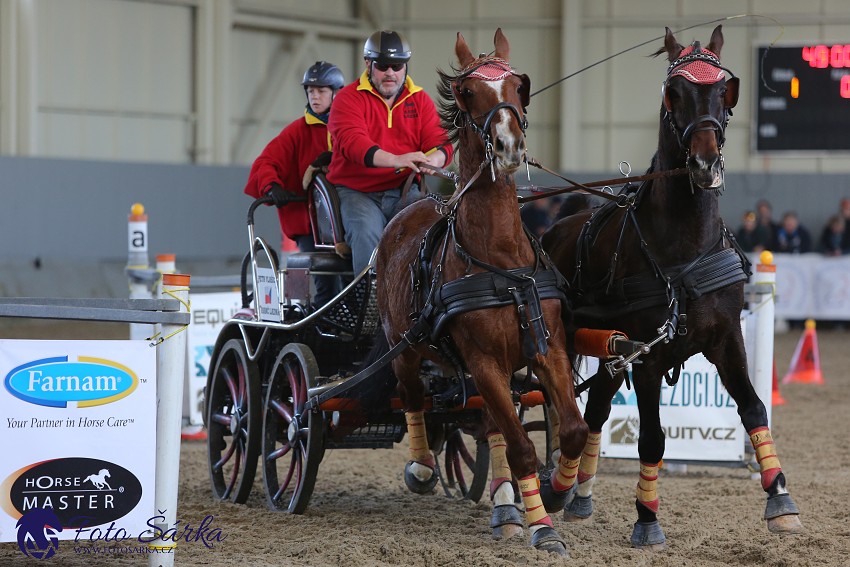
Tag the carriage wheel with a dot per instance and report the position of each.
(293, 441)
(467, 462)
(233, 418)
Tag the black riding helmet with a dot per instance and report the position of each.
(323, 74)
(386, 48)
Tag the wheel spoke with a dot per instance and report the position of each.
(285, 484)
(227, 377)
(461, 480)
(281, 410)
(226, 457)
(278, 453)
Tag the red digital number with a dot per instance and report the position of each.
(845, 86)
(824, 56)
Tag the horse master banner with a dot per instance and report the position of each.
(210, 311)
(79, 436)
(699, 418)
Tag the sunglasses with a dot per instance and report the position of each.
(383, 68)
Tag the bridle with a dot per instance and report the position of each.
(717, 126)
(464, 119)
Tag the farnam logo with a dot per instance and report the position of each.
(79, 490)
(59, 382)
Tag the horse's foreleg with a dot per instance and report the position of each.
(647, 532)
(781, 512)
(419, 472)
(519, 451)
(580, 505)
(506, 521)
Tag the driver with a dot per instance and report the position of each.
(383, 126)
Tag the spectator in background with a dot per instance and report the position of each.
(764, 212)
(844, 211)
(752, 236)
(834, 237)
(792, 236)
(535, 216)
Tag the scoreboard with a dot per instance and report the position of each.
(803, 98)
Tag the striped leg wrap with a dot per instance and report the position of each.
(766, 457)
(535, 513)
(499, 468)
(565, 477)
(647, 486)
(418, 450)
(590, 457)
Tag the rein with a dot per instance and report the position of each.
(588, 187)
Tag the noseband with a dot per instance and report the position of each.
(678, 67)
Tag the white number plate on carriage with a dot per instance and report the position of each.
(266, 295)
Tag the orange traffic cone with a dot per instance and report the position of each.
(805, 364)
(777, 399)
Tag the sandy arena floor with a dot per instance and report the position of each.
(361, 513)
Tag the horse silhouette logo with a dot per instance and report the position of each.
(625, 431)
(37, 531)
(99, 479)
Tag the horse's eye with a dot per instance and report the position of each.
(466, 92)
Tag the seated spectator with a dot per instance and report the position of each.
(792, 236)
(535, 216)
(764, 212)
(834, 236)
(752, 236)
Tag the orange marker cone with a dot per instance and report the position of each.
(805, 364)
(777, 399)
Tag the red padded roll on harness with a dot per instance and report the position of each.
(596, 342)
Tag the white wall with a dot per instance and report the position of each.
(211, 81)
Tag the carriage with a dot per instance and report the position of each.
(289, 380)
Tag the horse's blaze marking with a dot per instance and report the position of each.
(766, 457)
(590, 457)
(647, 486)
(503, 128)
(535, 513)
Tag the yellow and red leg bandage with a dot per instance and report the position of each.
(590, 457)
(499, 468)
(766, 457)
(418, 439)
(565, 476)
(535, 513)
(647, 487)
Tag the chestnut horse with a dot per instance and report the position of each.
(662, 267)
(482, 246)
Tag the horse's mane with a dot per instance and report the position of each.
(450, 115)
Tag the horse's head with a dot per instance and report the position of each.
(491, 98)
(697, 102)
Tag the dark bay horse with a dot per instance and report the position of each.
(660, 265)
(497, 285)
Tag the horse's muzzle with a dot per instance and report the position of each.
(706, 174)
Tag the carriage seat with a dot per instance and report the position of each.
(325, 218)
(300, 266)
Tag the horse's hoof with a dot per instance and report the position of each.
(789, 524)
(648, 536)
(780, 505)
(581, 508)
(547, 539)
(416, 484)
(554, 501)
(506, 521)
